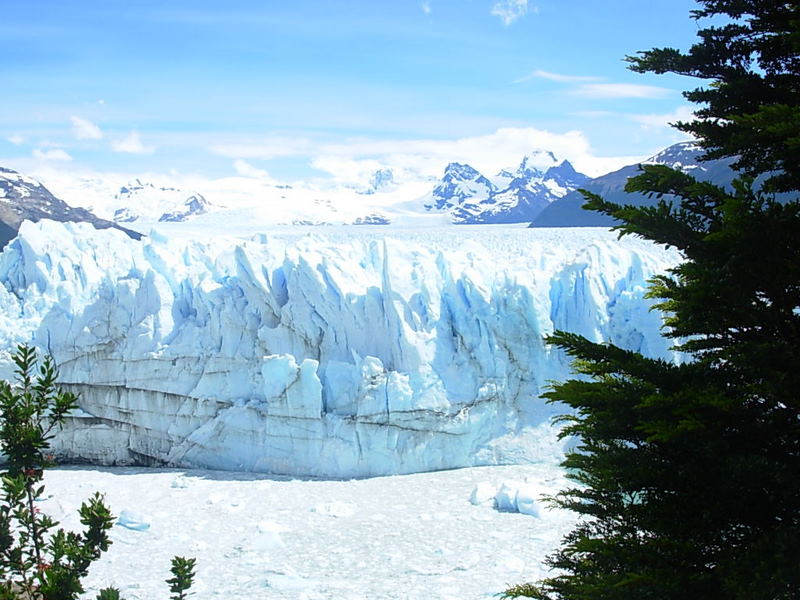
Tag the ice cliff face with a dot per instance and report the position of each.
(346, 353)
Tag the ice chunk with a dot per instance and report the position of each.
(528, 500)
(506, 497)
(483, 493)
(131, 519)
(267, 537)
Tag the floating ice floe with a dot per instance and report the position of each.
(131, 519)
(510, 496)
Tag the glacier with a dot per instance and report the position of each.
(335, 352)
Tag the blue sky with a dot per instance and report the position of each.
(300, 89)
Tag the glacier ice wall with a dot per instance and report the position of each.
(340, 353)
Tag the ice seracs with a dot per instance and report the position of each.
(344, 352)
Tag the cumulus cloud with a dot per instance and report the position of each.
(620, 90)
(509, 10)
(84, 129)
(353, 159)
(52, 154)
(16, 139)
(131, 144)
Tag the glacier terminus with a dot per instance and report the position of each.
(336, 352)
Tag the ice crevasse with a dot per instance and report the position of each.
(339, 353)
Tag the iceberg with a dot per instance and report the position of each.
(346, 352)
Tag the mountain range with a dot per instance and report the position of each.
(541, 190)
(512, 196)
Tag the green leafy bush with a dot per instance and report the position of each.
(38, 561)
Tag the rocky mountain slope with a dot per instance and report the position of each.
(23, 198)
(567, 211)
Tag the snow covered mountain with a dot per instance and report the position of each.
(23, 197)
(512, 196)
(567, 211)
(147, 201)
(381, 180)
(343, 352)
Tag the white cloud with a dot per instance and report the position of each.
(487, 153)
(621, 90)
(351, 159)
(345, 169)
(16, 139)
(426, 7)
(556, 77)
(84, 129)
(53, 154)
(509, 10)
(131, 144)
(266, 149)
(245, 169)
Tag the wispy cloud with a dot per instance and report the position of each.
(84, 129)
(655, 121)
(621, 90)
(53, 154)
(131, 144)
(426, 7)
(539, 74)
(509, 10)
(16, 139)
(245, 169)
(266, 149)
(595, 114)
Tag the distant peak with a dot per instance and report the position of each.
(462, 171)
(537, 161)
(677, 154)
(563, 168)
(381, 179)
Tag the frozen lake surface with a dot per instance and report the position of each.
(255, 536)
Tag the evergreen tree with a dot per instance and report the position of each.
(751, 108)
(687, 472)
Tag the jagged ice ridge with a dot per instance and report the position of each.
(346, 352)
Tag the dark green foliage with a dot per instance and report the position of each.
(108, 594)
(182, 577)
(38, 562)
(686, 473)
(750, 109)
